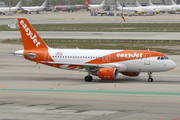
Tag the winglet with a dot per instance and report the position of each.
(31, 40)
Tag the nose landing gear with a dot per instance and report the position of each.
(150, 79)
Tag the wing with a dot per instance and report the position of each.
(78, 66)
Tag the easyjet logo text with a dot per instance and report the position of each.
(129, 55)
(32, 36)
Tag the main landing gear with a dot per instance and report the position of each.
(150, 79)
(88, 78)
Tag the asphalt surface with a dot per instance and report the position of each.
(97, 35)
(29, 91)
(84, 17)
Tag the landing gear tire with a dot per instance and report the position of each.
(150, 79)
(88, 78)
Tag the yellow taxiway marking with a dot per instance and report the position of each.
(76, 94)
(2, 87)
(56, 87)
(109, 88)
(176, 69)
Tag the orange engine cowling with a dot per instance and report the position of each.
(108, 73)
(132, 74)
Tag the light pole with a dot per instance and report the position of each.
(122, 16)
(9, 8)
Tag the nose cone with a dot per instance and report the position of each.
(172, 65)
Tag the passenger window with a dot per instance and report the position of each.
(162, 58)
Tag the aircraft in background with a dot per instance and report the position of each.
(71, 7)
(174, 5)
(155, 9)
(166, 8)
(100, 6)
(138, 9)
(35, 8)
(106, 64)
(4, 10)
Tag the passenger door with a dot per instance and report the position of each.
(147, 59)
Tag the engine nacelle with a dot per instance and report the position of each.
(131, 74)
(107, 73)
(139, 12)
(63, 10)
(158, 11)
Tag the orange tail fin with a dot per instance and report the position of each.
(30, 38)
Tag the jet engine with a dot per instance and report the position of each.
(107, 73)
(158, 12)
(139, 12)
(131, 74)
(63, 10)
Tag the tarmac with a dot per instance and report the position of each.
(29, 91)
(84, 17)
(96, 35)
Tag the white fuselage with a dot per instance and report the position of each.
(91, 7)
(6, 9)
(133, 63)
(32, 9)
(137, 9)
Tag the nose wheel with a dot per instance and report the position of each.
(150, 79)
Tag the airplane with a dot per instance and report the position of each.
(161, 7)
(92, 7)
(174, 5)
(138, 9)
(4, 10)
(106, 64)
(71, 7)
(34, 8)
(156, 9)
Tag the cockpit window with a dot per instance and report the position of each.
(162, 58)
(166, 58)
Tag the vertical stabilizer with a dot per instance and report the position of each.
(137, 3)
(86, 3)
(19, 4)
(173, 3)
(117, 4)
(45, 4)
(149, 3)
(31, 40)
(104, 3)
